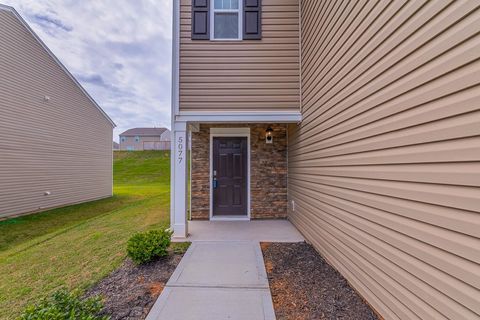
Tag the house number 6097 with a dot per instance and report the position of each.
(180, 149)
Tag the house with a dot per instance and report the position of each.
(138, 139)
(116, 146)
(55, 141)
(359, 121)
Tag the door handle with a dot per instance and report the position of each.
(215, 183)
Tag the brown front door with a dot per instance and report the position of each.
(229, 176)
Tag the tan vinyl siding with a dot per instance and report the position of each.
(384, 169)
(253, 75)
(63, 145)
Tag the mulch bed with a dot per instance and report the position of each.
(305, 286)
(130, 291)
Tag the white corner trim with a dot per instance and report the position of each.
(172, 118)
(178, 128)
(175, 60)
(229, 132)
(56, 60)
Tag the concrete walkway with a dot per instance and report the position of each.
(222, 275)
(217, 280)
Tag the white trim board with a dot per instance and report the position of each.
(174, 102)
(56, 60)
(229, 132)
(240, 117)
(175, 60)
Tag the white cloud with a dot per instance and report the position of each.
(120, 51)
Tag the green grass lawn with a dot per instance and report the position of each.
(78, 245)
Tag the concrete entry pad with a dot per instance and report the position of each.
(255, 230)
(217, 280)
(221, 264)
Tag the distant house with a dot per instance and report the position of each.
(138, 139)
(55, 141)
(116, 146)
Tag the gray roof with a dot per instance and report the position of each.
(144, 132)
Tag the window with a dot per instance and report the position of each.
(123, 139)
(226, 20)
(137, 139)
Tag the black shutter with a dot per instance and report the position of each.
(252, 19)
(200, 20)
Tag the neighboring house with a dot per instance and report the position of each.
(138, 139)
(374, 112)
(55, 141)
(116, 146)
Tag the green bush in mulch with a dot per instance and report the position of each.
(180, 247)
(65, 305)
(143, 247)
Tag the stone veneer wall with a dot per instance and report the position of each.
(268, 169)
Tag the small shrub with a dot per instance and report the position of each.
(64, 305)
(146, 246)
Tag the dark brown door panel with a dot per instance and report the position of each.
(230, 176)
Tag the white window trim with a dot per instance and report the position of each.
(240, 21)
(229, 132)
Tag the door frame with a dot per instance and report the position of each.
(229, 132)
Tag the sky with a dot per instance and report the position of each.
(119, 50)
